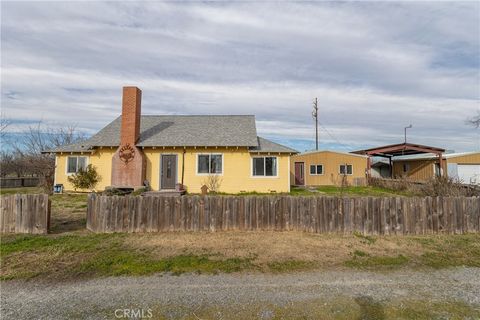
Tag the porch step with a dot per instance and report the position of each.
(164, 193)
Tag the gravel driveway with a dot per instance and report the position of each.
(98, 298)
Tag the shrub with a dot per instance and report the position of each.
(402, 184)
(85, 179)
(447, 187)
(213, 183)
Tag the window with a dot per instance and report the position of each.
(316, 169)
(346, 169)
(74, 164)
(264, 166)
(406, 167)
(209, 164)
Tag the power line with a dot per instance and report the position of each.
(332, 136)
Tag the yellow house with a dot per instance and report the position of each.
(465, 167)
(170, 152)
(317, 168)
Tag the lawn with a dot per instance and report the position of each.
(7, 191)
(71, 251)
(367, 191)
(360, 191)
(82, 254)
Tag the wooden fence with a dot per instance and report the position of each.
(25, 213)
(312, 214)
(19, 182)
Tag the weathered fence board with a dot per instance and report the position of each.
(26, 213)
(368, 215)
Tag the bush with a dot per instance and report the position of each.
(447, 187)
(213, 183)
(85, 179)
(402, 184)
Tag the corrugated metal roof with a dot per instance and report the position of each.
(434, 156)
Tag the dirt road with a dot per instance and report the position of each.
(190, 296)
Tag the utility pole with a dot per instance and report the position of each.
(315, 116)
(410, 126)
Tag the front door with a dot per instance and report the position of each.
(299, 174)
(168, 168)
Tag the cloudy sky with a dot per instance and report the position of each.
(375, 67)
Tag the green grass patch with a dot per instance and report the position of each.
(101, 255)
(375, 262)
(443, 251)
(359, 253)
(296, 191)
(66, 243)
(132, 263)
(290, 265)
(327, 190)
(438, 260)
(361, 191)
(7, 191)
(364, 238)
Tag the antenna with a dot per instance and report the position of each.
(315, 116)
(409, 126)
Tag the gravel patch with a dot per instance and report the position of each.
(90, 299)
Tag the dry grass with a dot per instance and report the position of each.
(320, 250)
(68, 212)
(58, 256)
(70, 250)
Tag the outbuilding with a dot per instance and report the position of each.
(316, 168)
(464, 167)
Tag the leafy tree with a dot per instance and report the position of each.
(85, 178)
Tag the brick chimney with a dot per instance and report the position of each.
(128, 162)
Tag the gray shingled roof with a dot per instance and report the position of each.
(265, 145)
(74, 147)
(184, 131)
(179, 131)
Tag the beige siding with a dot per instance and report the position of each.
(331, 162)
(418, 170)
(466, 159)
(422, 170)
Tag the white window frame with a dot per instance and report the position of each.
(209, 154)
(66, 164)
(316, 172)
(264, 176)
(346, 169)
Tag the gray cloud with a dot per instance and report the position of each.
(375, 67)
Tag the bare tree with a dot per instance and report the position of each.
(475, 120)
(4, 124)
(28, 155)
